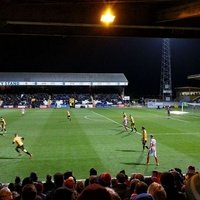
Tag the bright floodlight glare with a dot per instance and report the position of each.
(107, 17)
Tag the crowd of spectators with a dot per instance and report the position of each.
(170, 185)
(40, 99)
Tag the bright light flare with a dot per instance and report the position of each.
(107, 17)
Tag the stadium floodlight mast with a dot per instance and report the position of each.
(166, 80)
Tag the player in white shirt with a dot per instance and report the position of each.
(152, 150)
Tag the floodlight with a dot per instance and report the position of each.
(107, 17)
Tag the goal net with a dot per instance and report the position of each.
(192, 107)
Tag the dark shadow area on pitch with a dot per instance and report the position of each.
(132, 163)
(137, 162)
(8, 158)
(128, 134)
(124, 131)
(127, 150)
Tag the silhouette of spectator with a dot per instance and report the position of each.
(113, 194)
(94, 192)
(133, 183)
(144, 196)
(29, 192)
(123, 172)
(62, 193)
(93, 179)
(141, 187)
(48, 185)
(39, 188)
(137, 176)
(26, 180)
(58, 181)
(92, 172)
(34, 176)
(167, 181)
(121, 187)
(18, 185)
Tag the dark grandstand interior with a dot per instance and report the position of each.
(143, 18)
(81, 18)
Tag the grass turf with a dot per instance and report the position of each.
(96, 138)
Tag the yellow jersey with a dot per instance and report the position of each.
(18, 140)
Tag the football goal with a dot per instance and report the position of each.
(192, 107)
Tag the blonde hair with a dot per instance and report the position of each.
(157, 191)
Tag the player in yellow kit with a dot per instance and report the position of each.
(3, 125)
(69, 115)
(132, 120)
(18, 140)
(144, 138)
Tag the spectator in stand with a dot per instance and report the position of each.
(92, 172)
(95, 192)
(144, 196)
(167, 181)
(68, 174)
(113, 194)
(121, 187)
(93, 179)
(18, 185)
(29, 192)
(140, 187)
(70, 184)
(133, 183)
(39, 188)
(59, 182)
(178, 179)
(192, 188)
(157, 191)
(62, 193)
(5, 194)
(34, 177)
(79, 187)
(26, 180)
(105, 179)
(123, 172)
(138, 176)
(48, 185)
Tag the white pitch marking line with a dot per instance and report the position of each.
(112, 120)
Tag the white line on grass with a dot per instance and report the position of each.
(112, 120)
(181, 120)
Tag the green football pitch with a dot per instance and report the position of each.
(96, 138)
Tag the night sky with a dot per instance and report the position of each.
(138, 58)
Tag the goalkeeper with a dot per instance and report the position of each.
(18, 140)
